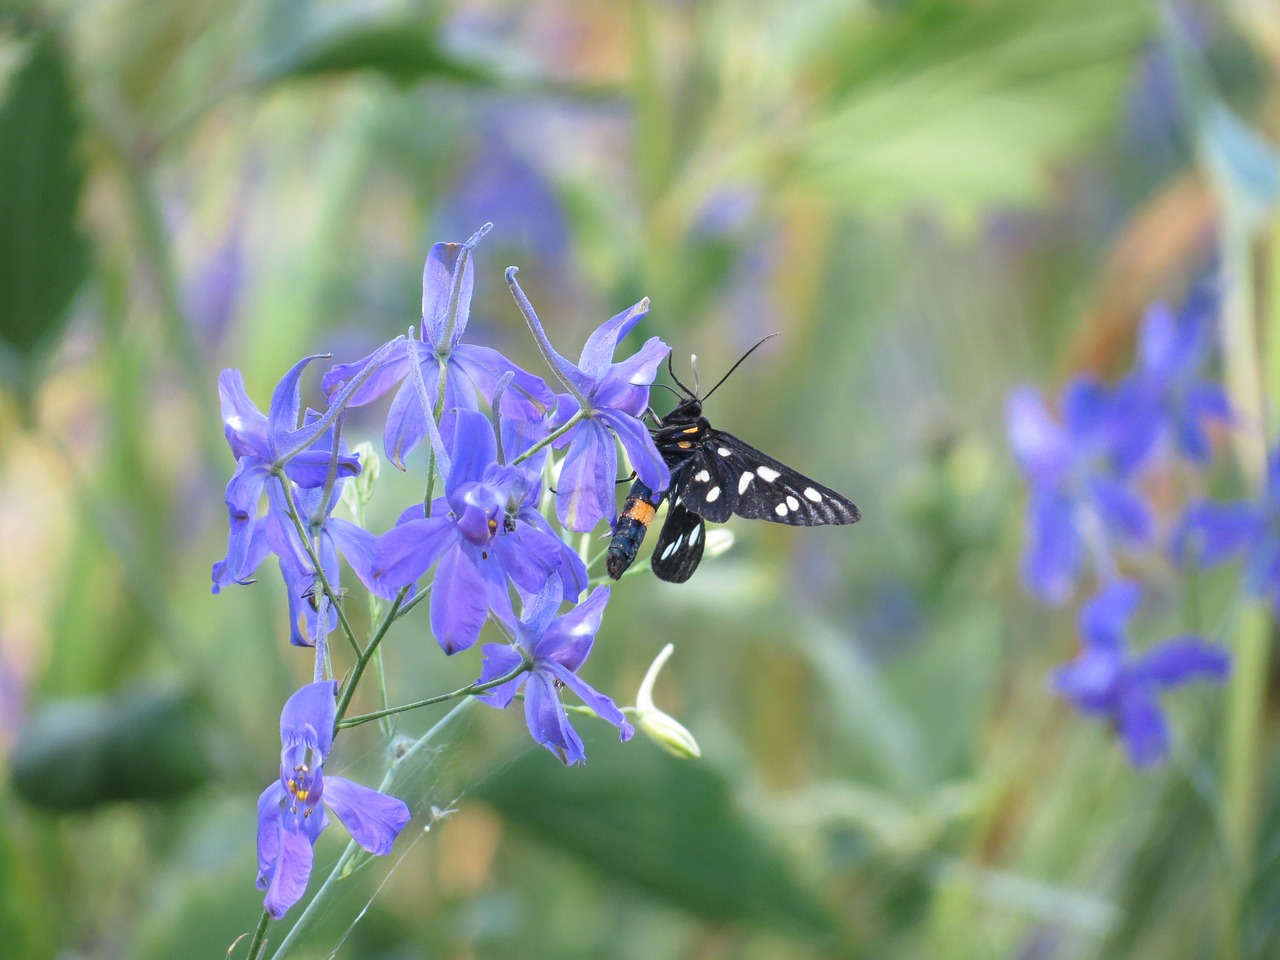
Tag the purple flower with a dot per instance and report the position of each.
(447, 281)
(290, 815)
(1214, 532)
(608, 398)
(1165, 396)
(483, 535)
(556, 646)
(263, 446)
(1107, 681)
(1080, 501)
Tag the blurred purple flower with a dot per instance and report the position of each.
(1106, 681)
(1214, 532)
(610, 398)
(290, 815)
(556, 646)
(1081, 501)
(467, 368)
(482, 534)
(1165, 397)
(263, 445)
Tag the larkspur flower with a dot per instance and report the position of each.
(290, 811)
(481, 537)
(556, 647)
(1080, 501)
(1212, 532)
(1165, 397)
(1109, 682)
(264, 445)
(468, 369)
(608, 398)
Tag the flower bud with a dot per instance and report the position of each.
(665, 730)
(359, 491)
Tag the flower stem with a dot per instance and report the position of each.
(259, 936)
(362, 661)
(468, 691)
(552, 437)
(1241, 764)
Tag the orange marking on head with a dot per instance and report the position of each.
(690, 430)
(684, 444)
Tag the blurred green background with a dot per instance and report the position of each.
(931, 200)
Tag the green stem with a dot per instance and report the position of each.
(468, 691)
(259, 936)
(362, 660)
(552, 437)
(1242, 763)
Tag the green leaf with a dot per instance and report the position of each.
(960, 105)
(43, 255)
(404, 51)
(666, 825)
(140, 744)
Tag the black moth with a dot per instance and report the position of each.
(713, 475)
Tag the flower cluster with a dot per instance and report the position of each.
(1087, 509)
(482, 546)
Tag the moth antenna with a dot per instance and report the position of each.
(665, 387)
(739, 363)
(693, 365)
(671, 370)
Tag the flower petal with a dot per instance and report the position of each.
(437, 294)
(527, 397)
(1104, 618)
(244, 426)
(567, 640)
(373, 819)
(459, 598)
(473, 449)
(394, 368)
(625, 385)
(547, 721)
(597, 352)
(1053, 555)
(307, 718)
(1181, 660)
(406, 552)
(604, 708)
(585, 494)
(1142, 726)
(292, 871)
(499, 660)
(1213, 532)
(640, 449)
(1123, 511)
(269, 809)
(1038, 442)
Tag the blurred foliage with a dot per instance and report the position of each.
(932, 200)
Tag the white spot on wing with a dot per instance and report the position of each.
(713, 495)
(780, 509)
(724, 451)
(744, 481)
(672, 547)
(702, 476)
(767, 474)
(694, 534)
(793, 503)
(812, 494)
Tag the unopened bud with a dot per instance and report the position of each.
(359, 491)
(665, 730)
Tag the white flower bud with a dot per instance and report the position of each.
(665, 730)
